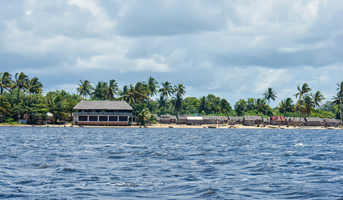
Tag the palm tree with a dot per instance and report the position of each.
(269, 94)
(85, 88)
(112, 89)
(20, 83)
(153, 86)
(317, 98)
(309, 105)
(262, 106)
(5, 81)
(340, 94)
(5, 106)
(99, 90)
(302, 91)
(286, 106)
(179, 90)
(165, 91)
(34, 86)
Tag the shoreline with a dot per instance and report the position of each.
(209, 126)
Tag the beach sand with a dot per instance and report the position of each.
(237, 126)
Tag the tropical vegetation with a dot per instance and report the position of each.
(22, 97)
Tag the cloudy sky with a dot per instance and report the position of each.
(233, 49)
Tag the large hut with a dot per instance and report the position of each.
(182, 119)
(215, 119)
(232, 120)
(332, 122)
(167, 119)
(313, 121)
(252, 120)
(278, 120)
(196, 120)
(103, 113)
(295, 121)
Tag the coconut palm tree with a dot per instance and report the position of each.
(262, 106)
(301, 92)
(5, 81)
(20, 83)
(286, 106)
(340, 93)
(99, 90)
(34, 86)
(85, 88)
(166, 90)
(179, 90)
(308, 106)
(317, 98)
(5, 106)
(153, 86)
(269, 94)
(112, 89)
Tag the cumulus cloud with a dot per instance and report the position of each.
(234, 49)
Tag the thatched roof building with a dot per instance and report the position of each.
(313, 121)
(103, 113)
(232, 120)
(278, 120)
(252, 120)
(332, 122)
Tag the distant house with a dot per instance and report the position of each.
(109, 113)
(278, 120)
(252, 120)
(214, 119)
(182, 119)
(232, 120)
(313, 121)
(167, 119)
(332, 122)
(295, 121)
(197, 120)
(266, 120)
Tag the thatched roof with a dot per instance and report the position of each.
(252, 118)
(332, 120)
(314, 119)
(295, 119)
(183, 116)
(278, 118)
(215, 117)
(236, 118)
(168, 117)
(103, 105)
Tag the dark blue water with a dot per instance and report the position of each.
(113, 163)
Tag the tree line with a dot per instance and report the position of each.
(22, 97)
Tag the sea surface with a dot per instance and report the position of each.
(129, 163)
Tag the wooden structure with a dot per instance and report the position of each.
(215, 119)
(332, 122)
(100, 113)
(312, 121)
(295, 121)
(167, 119)
(252, 120)
(182, 119)
(278, 120)
(232, 120)
(197, 120)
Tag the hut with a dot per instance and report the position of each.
(295, 121)
(332, 122)
(167, 119)
(313, 121)
(232, 120)
(197, 120)
(182, 119)
(215, 119)
(252, 120)
(278, 120)
(103, 113)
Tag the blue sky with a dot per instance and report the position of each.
(232, 49)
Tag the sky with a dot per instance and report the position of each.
(233, 49)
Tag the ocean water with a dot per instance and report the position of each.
(116, 163)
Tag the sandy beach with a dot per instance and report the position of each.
(237, 126)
